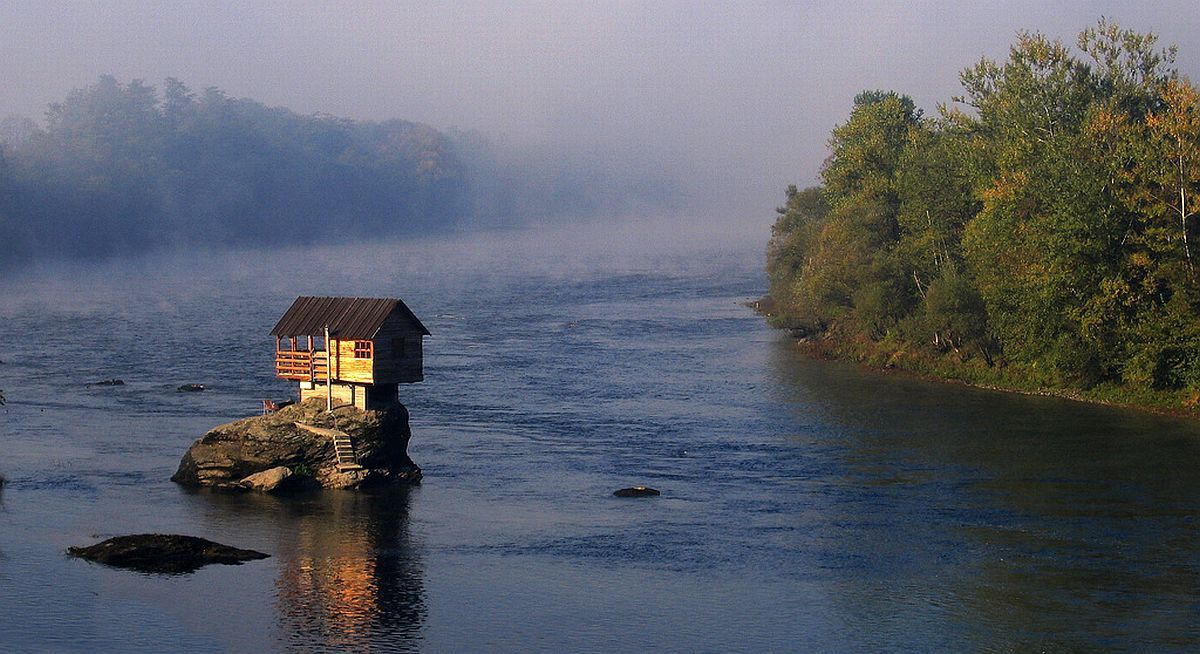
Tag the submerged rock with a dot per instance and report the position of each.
(165, 553)
(108, 382)
(232, 452)
(636, 491)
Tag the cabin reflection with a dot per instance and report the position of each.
(349, 577)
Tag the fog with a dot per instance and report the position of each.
(736, 101)
(432, 266)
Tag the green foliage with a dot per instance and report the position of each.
(956, 318)
(303, 470)
(936, 202)
(866, 149)
(1046, 231)
(793, 241)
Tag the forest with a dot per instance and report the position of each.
(1037, 233)
(125, 168)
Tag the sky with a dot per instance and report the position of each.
(738, 98)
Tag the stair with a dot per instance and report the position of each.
(344, 451)
(343, 447)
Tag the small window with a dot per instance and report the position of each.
(398, 347)
(362, 349)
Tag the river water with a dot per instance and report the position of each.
(806, 506)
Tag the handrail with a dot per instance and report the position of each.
(302, 365)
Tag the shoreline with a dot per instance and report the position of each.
(828, 347)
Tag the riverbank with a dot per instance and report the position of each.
(895, 357)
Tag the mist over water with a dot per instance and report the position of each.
(433, 265)
(806, 505)
(575, 199)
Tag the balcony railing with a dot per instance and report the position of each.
(302, 365)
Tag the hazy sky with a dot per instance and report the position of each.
(739, 96)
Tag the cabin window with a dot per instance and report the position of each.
(362, 349)
(397, 347)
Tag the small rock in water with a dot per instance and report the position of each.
(190, 388)
(108, 382)
(164, 553)
(636, 491)
(271, 479)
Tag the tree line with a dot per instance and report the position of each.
(121, 168)
(1042, 227)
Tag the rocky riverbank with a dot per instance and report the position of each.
(294, 445)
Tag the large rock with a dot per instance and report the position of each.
(167, 553)
(225, 456)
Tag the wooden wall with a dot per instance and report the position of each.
(392, 366)
(396, 356)
(346, 368)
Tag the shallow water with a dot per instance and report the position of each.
(806, 505)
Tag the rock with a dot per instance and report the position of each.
(230, 453)
(268, 480)
(190, 388)
(636, 491)
(164, 553)
(108, 382)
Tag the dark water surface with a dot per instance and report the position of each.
(806, 506)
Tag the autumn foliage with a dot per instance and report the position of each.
(1040, 227)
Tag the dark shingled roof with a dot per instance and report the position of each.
(347, 317)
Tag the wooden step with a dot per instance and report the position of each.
(343, 448)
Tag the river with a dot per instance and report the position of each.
(806, 505)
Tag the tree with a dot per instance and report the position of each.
(936, 202)
(859, 271)
(1164, 167)
(793, 241)
(1048, 224)
(1155, 169)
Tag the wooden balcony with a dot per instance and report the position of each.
(302, 365)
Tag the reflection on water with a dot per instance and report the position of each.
(1026, 522)
(818, 507)
(349, 574)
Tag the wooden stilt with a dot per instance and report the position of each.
(328, 375)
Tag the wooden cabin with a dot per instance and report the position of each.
(349, 350)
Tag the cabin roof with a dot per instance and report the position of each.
(346, 317)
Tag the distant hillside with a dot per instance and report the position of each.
(125, 168)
